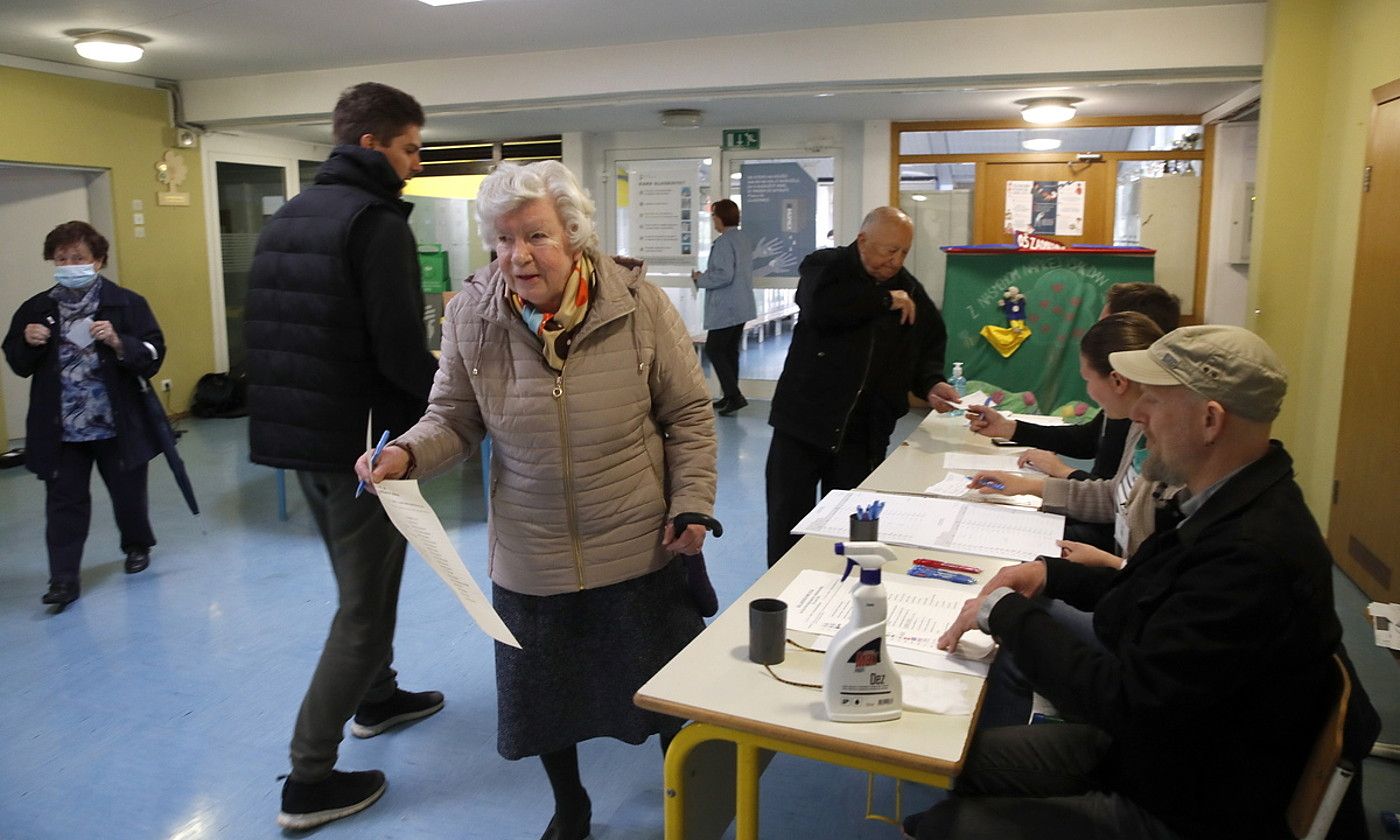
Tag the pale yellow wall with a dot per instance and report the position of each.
(76, 122)
(1323, 58)
(445, 186)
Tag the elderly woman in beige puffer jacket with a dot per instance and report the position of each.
(584, 376)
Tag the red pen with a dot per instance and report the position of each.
(951, 567)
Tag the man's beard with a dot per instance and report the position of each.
(1155, 469)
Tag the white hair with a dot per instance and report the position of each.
(512, 186)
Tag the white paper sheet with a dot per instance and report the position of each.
(954, 486)
(80, 333)
(1038, 419)
(1385, 618)
(975, 398)
(1010, 533)
(414, 518)
(919, 611)
(968, 462)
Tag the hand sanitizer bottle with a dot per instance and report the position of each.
(859, 681)
(959, 383)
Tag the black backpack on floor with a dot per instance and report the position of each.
(220, 395)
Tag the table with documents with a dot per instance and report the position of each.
(741, 714)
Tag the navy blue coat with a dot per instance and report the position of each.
(125, 378)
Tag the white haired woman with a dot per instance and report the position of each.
(584, 376)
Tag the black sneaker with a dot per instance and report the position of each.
(401, 707)
(309, 804)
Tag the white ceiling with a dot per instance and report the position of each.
(204, 39)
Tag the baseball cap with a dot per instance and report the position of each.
(1230, 365)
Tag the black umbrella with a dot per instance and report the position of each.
(161, 425)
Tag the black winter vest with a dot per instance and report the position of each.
(312, 377)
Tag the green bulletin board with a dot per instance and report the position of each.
(1064, 294)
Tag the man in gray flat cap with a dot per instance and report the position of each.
(1194, 714)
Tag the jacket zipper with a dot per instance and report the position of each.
(846, 424)
(558, 394)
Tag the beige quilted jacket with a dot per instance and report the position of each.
(588, 463)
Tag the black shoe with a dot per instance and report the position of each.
(137, 560)
(731, 406)
(712, 402)
(61, 593)
(401, 707)
(309, 804)
(576, 829)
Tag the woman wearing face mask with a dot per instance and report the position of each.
(90, 345)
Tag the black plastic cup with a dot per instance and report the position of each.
(864, 530)
(767, 631)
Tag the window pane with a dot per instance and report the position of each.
(1158, 206)
(1130, 138)
(938, 197)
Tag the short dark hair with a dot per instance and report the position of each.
(71, 233)
(1152, 300)
(726, 211)
(374, 109)
(1119, 331)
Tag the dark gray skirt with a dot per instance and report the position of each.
(584, 654)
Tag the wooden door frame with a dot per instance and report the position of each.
(979, 197)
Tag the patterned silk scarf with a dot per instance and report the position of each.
(556, 330)
(86, 409)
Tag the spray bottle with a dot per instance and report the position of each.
(859, 681)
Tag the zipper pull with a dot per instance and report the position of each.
(558, 386)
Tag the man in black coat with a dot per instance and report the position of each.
(336, 345)
(868, 337)
(1194, 713)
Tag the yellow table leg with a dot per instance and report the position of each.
(746, 792)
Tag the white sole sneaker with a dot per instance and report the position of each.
(302, 822)
(362, 731)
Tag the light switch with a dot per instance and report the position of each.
(138, 218)
(138, 204)
(140, 233)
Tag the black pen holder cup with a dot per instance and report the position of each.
(865, 530)
(767, 631)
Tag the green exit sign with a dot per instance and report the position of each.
(741, 138)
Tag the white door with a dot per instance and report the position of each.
(33, 201)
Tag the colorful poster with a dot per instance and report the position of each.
(1055, 207)
(662, 197)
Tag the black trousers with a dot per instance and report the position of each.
(722, 346)
(796, 470)
(68, 504)
(366, 553)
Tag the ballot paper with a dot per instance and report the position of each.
(975, 398)
(1385, 618)
(1010, 533)
(954, 486)
(80, 333)
(1038, 419)
(919, 611)
(970, 462)
(414, 518)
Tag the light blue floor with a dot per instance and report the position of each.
(159, 705)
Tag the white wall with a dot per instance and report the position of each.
(33, 200)
(1227, 283)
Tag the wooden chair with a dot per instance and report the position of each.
(1327, 774)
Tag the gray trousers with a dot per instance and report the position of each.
(1038, 781)
(366, 554)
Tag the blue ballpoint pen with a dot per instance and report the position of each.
(383, 439)
(940, 574)
(987, 482)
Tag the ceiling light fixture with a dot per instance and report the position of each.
(446, 2)
(114, 47)
(681, 117)
(919, 197)
(1041, 144)
(1045, 110)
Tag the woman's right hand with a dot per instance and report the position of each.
(985, 420)
(36, 335)
(1088, 555)
(988, 482)
(392, 464)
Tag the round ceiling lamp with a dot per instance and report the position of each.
(1041, 144)
(112, 47)
(1046, 110)
(681, 118)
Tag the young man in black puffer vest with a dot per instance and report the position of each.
(335, 343)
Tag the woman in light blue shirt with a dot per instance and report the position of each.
(729, 304)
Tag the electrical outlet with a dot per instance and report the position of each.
(165, 385)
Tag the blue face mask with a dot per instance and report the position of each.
(75, 276)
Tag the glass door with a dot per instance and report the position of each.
(247, 195)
